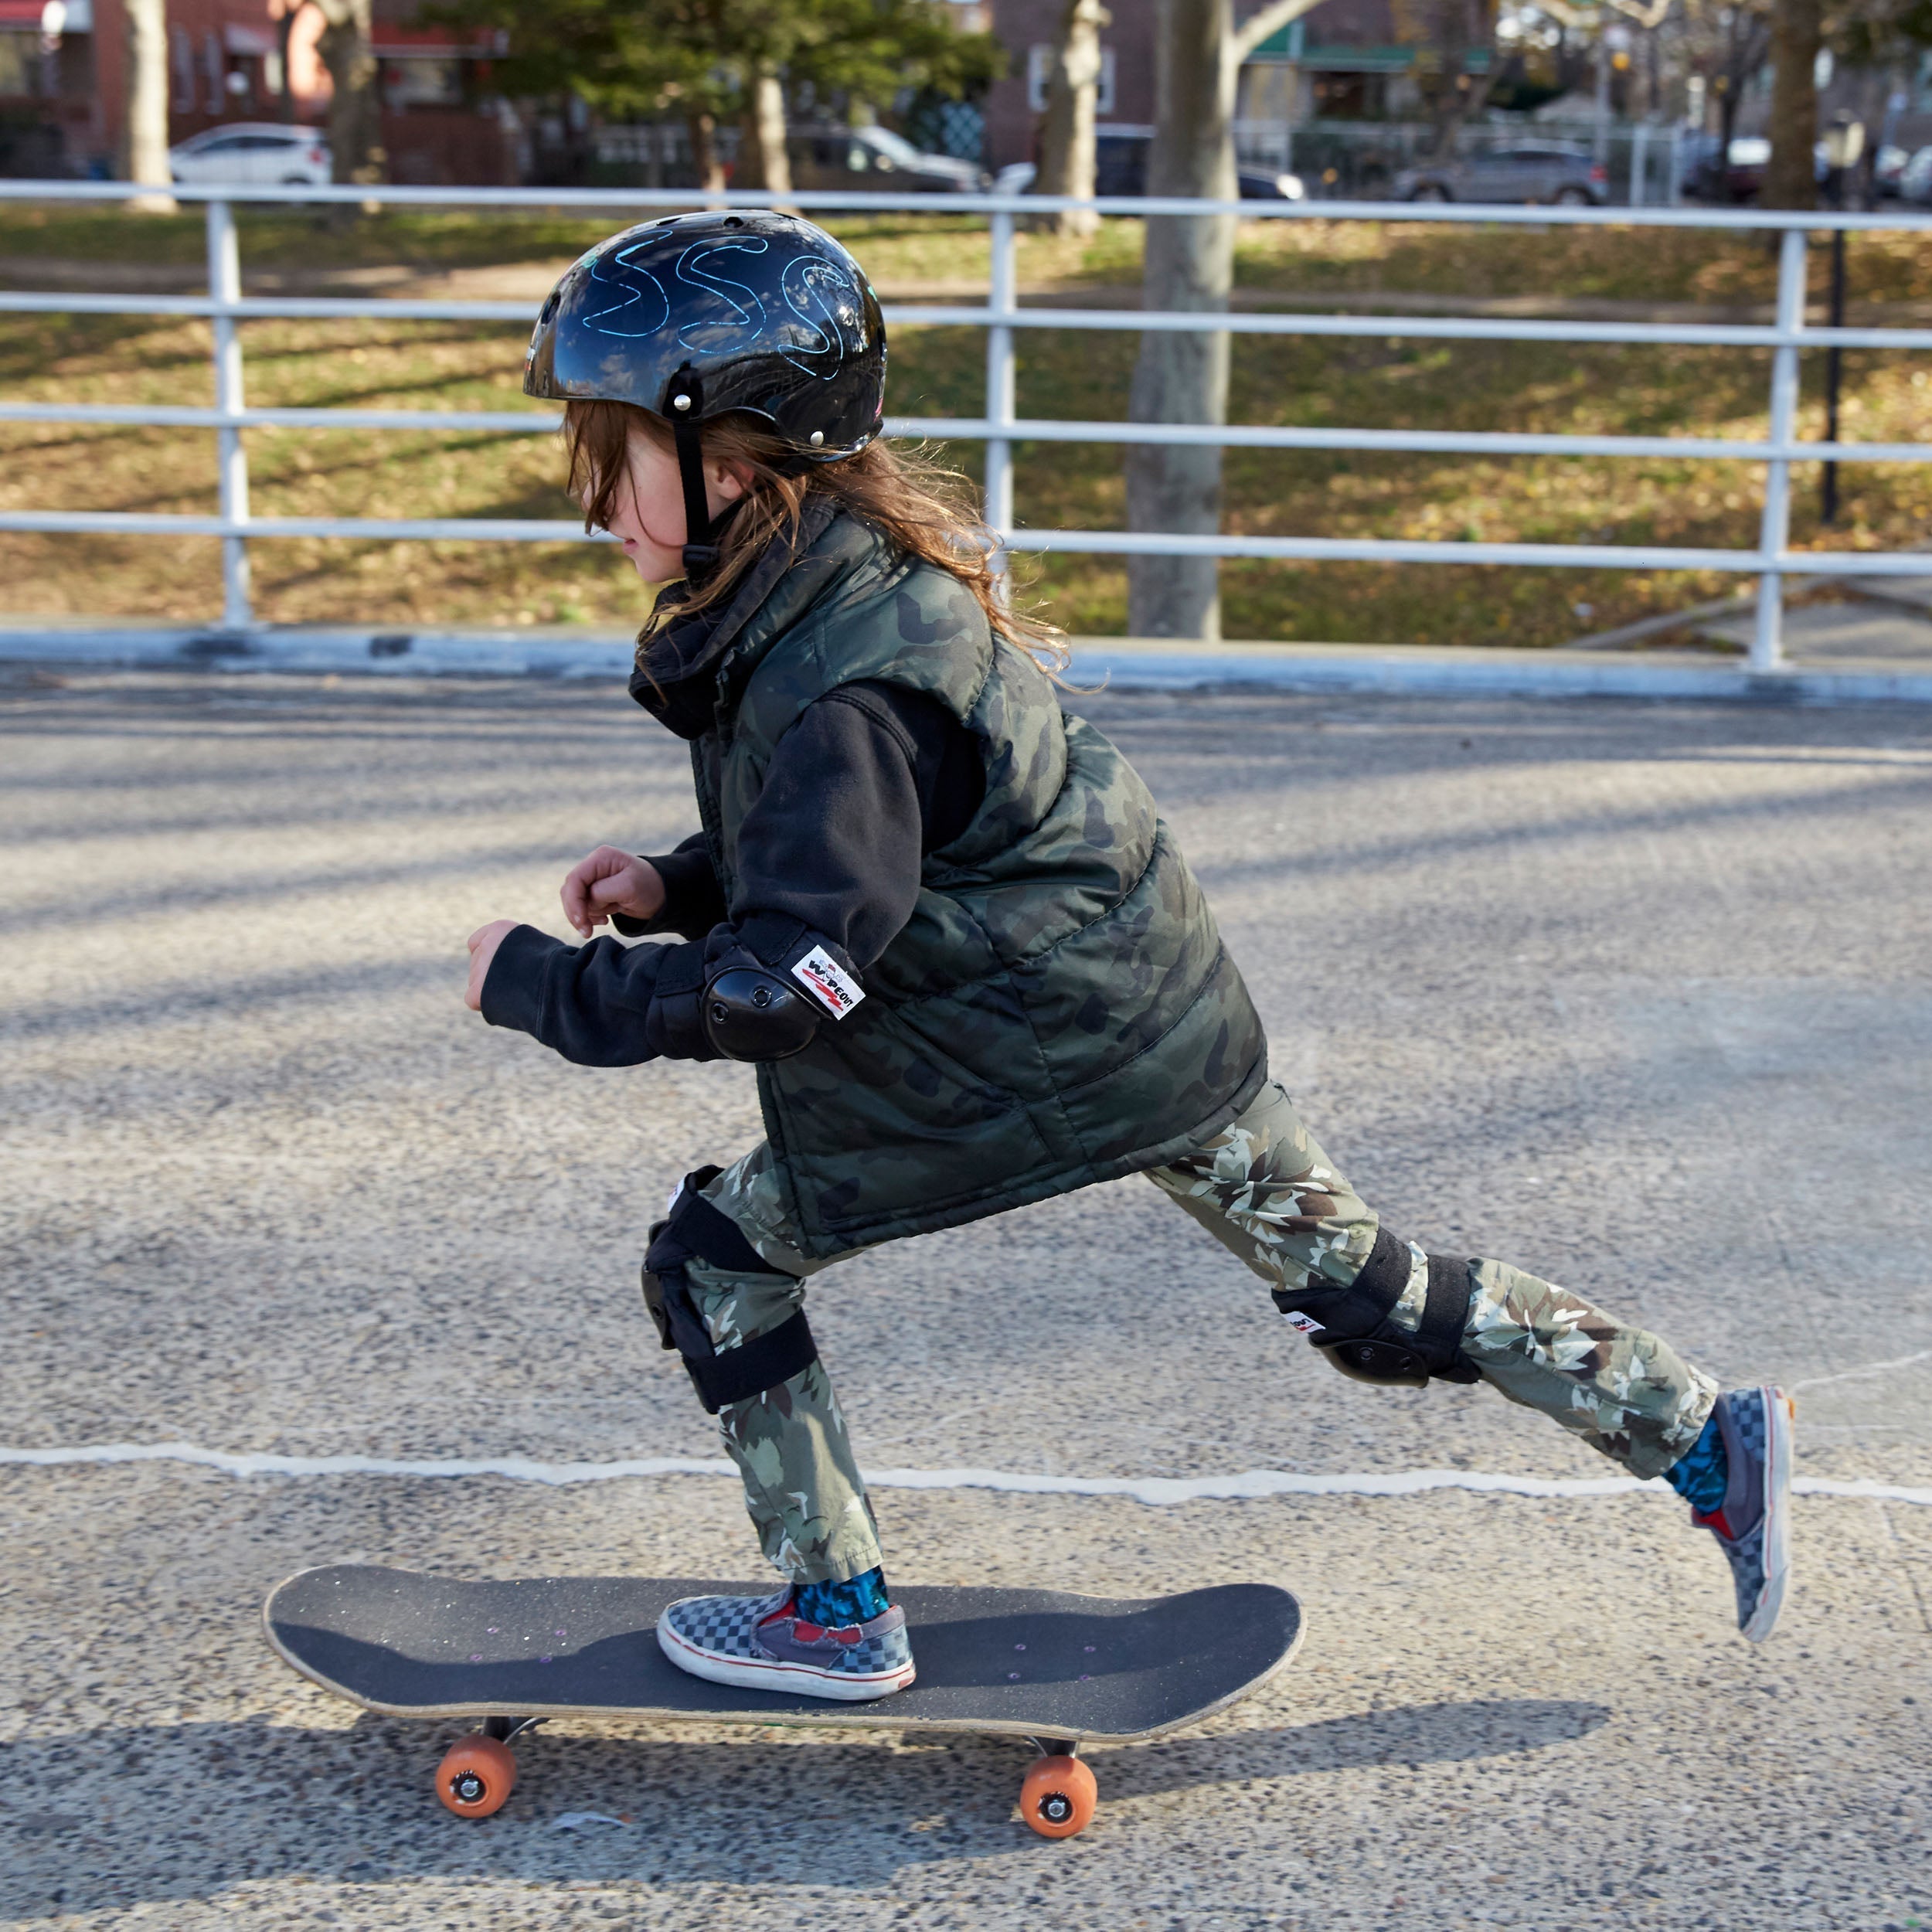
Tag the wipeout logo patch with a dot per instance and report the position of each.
(827, 982)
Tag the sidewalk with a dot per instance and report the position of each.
(1827, 674)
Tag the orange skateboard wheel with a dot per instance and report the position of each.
(1058, 1796)
(476, 1776)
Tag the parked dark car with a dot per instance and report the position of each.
(1739, 175)
(1524, 172)
(836, 157)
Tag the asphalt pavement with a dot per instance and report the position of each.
(1634, 995)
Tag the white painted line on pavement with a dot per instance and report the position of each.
(1867, 1369)
(1251, 1484)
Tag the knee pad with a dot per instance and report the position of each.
(1351, 1326)
(695, 1230)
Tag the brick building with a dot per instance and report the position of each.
(63, 84)
(1340, 61)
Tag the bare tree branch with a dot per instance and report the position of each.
(1645, 17)
(1271, 20)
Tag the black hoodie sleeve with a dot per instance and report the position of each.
(602, 1005)
(694, 902)
(869, 779)
(833, 844)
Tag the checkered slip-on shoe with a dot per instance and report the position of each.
(1753, 1524)
(762, 1643)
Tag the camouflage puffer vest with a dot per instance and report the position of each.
(1058, 1010)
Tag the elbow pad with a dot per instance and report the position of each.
(750, 1014)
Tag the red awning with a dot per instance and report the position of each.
(21, 13)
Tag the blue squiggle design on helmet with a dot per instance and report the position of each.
(804, 281)
(750, 312)
(632, 286)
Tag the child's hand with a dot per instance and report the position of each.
(609, 881)
(483, 944)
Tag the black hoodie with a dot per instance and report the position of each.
(871, 778)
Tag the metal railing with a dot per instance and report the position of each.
(1771, 561)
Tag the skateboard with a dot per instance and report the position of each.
(1055, 1670)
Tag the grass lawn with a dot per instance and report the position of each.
(1366, 383)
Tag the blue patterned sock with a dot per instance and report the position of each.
(1701, 1475)
(833, 1606)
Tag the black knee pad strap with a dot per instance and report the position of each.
(696, 1230)
(1351, 1326)
(696, 1227)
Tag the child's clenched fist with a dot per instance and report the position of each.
(609, 881)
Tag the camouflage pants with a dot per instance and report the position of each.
(1265, 1189)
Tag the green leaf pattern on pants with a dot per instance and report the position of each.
(802, 1486)
(1264, 1188)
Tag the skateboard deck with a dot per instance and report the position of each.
(1040, 1665)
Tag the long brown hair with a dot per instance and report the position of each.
(923, 510)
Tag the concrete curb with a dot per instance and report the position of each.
(1120, 664)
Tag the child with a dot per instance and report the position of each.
(942, 918)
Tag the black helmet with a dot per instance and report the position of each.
(696, 315)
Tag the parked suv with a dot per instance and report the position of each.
(266, 154)
(833, 157)
(1527, 172)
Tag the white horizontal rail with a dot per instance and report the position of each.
(488, 529)
(1020, 429)
(862, 201)
(166, 415)
(1590, 556)
(1270, 436)
(1467, 329)
(1594, 557)
(1462, 329)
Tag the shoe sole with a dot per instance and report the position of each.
(1779, 1431)
(796, 1679)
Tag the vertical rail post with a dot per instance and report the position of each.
(1639, 163)
(224, 289)
(999, 391)
(1774, 528)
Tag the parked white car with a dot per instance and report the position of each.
(1127, 175)
(255, 153)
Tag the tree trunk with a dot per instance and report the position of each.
(764, 162)
(1066, 139)
(146, 135)
(1183, 377)
(356, 107)
(1796, 32)
(1726, 130)
(701, 125)
(1445, 33)
(285, 94)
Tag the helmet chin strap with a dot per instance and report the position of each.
(683, 399)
